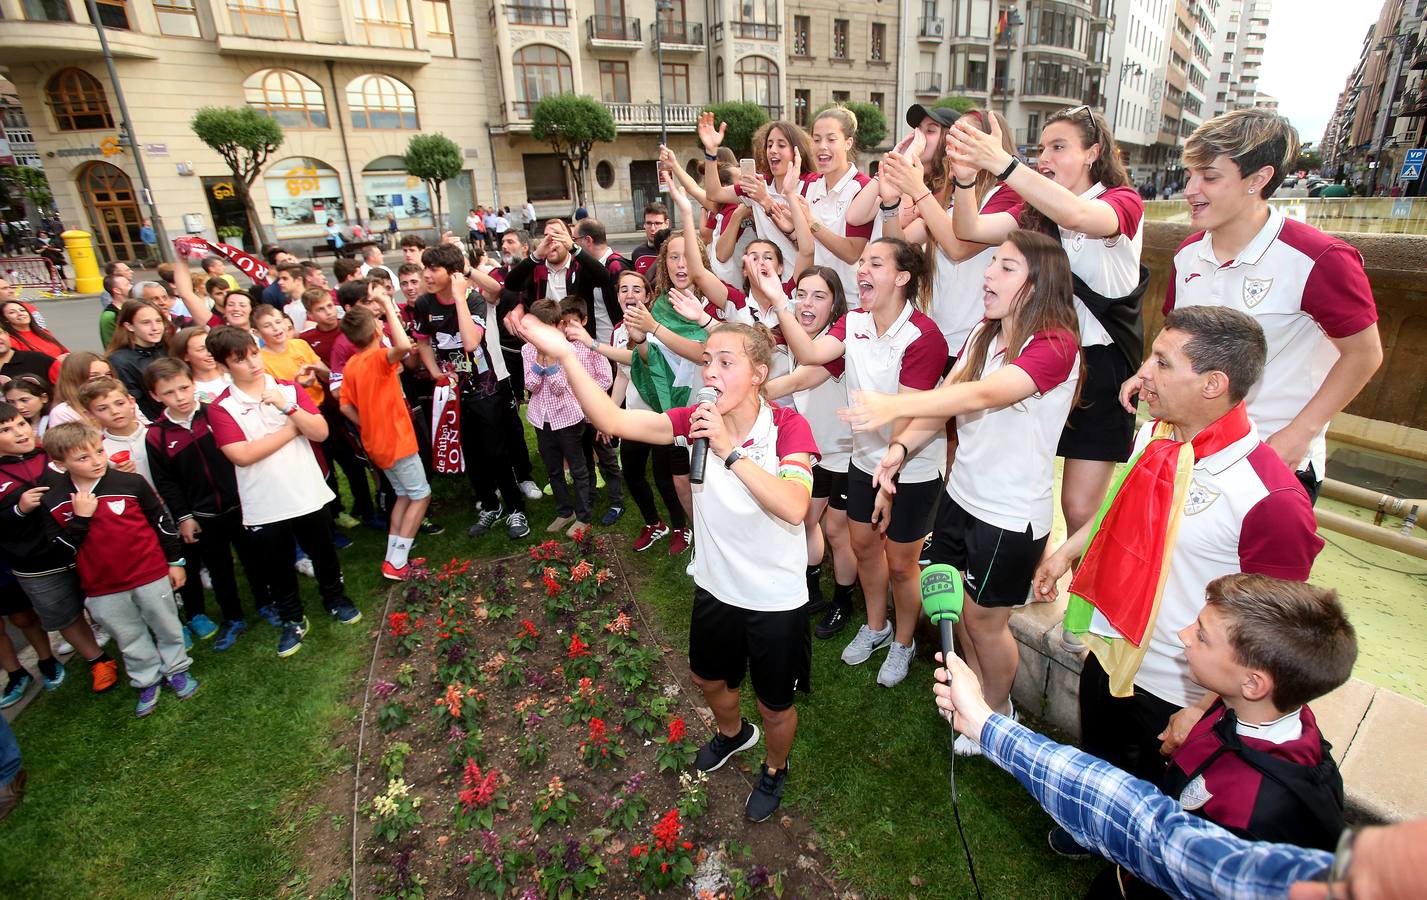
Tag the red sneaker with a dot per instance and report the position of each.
(649, 535)
(392, 573)
(680, 540)
(104, 674)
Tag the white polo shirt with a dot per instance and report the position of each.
(1109, 266)
(829, 204)
(957, 286)
(1245, 512)
(745, 555)
(732, 270)
(819, 405)
(1004, 471)
(763, 223)
(1303, 287)
(632, 398)
(284, 485)
(911, 352)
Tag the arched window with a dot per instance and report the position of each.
(78, 101)
(289, 98)
(540, 71)
(758, 83)
(380, 101)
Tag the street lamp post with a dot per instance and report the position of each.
(660, 7)
(1125, 71)
(1013, 20)
(127, 126)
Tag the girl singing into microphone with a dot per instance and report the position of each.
(748, 573)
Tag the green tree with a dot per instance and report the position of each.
(571, 124)
(960, 104)
(871, 124)
(245, 138)
(435, 159)
(29, 183)
(743, 119)
(1308, 161)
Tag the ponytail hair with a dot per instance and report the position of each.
(910, 259)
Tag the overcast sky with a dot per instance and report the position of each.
(1312, 48)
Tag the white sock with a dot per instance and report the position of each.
(401, 547)
(391, 540)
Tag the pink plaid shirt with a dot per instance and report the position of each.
(552, 402)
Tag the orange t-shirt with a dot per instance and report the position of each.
(285, 365)
(372, 386)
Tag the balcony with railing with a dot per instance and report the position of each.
(758, 31)
(645, 116)
(614, 32)
(534, 14)
(931, 30)
(928, 84)
(679, 36)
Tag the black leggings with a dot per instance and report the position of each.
(634, 458)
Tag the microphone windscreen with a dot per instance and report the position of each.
(942, 594)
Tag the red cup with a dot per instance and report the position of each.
(119, 458)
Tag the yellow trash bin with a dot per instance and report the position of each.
(80, 247)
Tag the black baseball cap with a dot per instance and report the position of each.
(942, 115)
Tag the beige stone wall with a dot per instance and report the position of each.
(821, 74)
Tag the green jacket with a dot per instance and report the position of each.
(654, 377)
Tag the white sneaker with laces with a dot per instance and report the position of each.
(894, 667)
(531, 490)
(304, 567)
(60, 646)
(865, 643)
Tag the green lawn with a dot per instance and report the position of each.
(211, 797)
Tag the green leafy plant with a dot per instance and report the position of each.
(479, 799)
(393, 715)
(667, 859)
(587, 702)
(871, 124)
(633, 667)
(626, 807)
(404, 630)
(531, 749)
(493, 869)
(394, 812)
(743, 119)
(599, 749)
(693, 794)
(464, 745)
(553, 804)
(394, 759)
(526, 639)
(244, 138)
(674, 750)
(646, 718)
(573, 873)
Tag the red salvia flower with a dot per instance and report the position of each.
(666, 832)
(578, 647)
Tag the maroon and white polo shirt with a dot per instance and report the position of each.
(743, 554)
(829, 203)
(1245, 512)
(911, 352)
(1109, 266)
(957, 286)
(1004, 472)
(1303, 287)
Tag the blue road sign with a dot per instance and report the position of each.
(1412, 165)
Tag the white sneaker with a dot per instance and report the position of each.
(1071, 643)
(894, 667)
(865, 643)
(304, 567)
(59, 645)
(531, 490)
(101, 637)
(206, 579)
(966, 745)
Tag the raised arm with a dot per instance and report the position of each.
(472, 332)
(637, 425)
(803, 378)
(907, 172)
(798, 212)
(711, 137)
(684, 179)
(709, 284)
(968, 145)
(870, 410)
(728, 239)
(400, 341)
(807, 351)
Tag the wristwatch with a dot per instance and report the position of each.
(734, 456)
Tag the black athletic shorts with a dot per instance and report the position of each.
(775, 648)
(1098, 427)
(830, 486)
(12, 599)
(913, 506)
(997, 565)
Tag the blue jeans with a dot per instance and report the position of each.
(9, 753)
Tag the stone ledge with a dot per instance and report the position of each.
(1379, 737)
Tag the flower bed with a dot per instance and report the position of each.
(531, 742)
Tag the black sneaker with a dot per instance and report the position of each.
(1061, 842)
(486, 520)
(716, 752)
(430, 528)
(766, 795)
(835, 618)
(612, 515)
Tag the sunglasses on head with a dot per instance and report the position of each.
(1074, 111)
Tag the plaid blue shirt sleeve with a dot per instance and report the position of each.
(1132, 823)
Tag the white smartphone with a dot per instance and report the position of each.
(748, 168)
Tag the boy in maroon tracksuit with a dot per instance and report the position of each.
(128, 556)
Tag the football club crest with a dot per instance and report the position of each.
(1255, 289)
(1199, 498)
(115, 506)
(1077, 240)
(1195, 794)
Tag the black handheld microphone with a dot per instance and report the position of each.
(699, 455)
